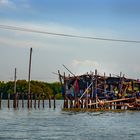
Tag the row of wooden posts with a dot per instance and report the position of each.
(123, 104)
(32, 102)
(32, 99)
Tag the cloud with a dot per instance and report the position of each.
(15, 5)
(85, 63)
(20, 43)
(82, 66)
(7, 3)
(79, 55)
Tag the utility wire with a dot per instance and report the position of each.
(66, 35)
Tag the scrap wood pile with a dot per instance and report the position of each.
(95, 89)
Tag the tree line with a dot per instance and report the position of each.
(37, 87)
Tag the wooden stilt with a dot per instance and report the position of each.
(14, 100)
(39, 101)
(70, 102)
(110, 106)
(22, 100)
(43, 101)
(17, 99)
(0, 99)
(8, 100)
(31, 97)
(64, 88)
(28, 101)
(35, 101)
(49, 102)
(54, 101)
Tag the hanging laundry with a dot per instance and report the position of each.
(76, 86)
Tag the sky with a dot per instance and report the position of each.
(115, 19)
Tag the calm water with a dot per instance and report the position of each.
(50, 124)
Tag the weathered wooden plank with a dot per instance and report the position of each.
(117, 100)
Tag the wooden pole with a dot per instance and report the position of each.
(8, 100)
(15, 82)
(15, 102)
(120, 86)
(65, 106)
(54, 101)
(92, 88)
(14, 96)
(87, 97)
(29, 78)
(31, 96)
(120, 91)
(96, 88)
(35, 101)
(43, 100)
(104, 83)
(28, 101)
(22, 100)
(0, 99)
(62, 86)
(49, 102)
(39, 101)
(17, 99)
